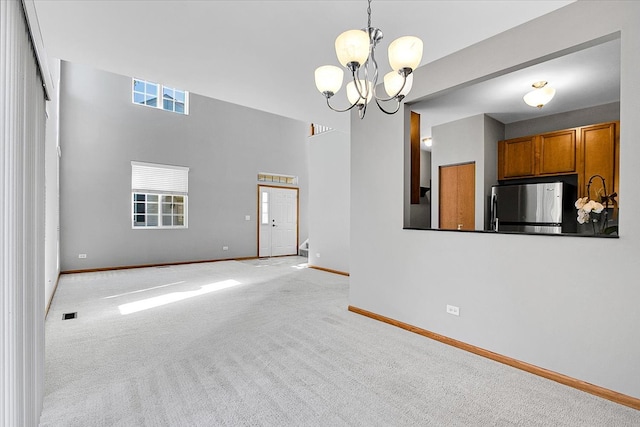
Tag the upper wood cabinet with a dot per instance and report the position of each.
(557, 152)
(601, 157)
(585, 151)
(553, 153)
(516, 158)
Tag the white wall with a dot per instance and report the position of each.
(425, 169)
(544, 300)
(52, 197)
(329, 201)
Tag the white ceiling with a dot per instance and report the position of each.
(582, 79)
(261, 54)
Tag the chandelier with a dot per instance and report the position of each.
(356, 51)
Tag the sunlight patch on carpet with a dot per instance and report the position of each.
(144, 290)
(145, 304)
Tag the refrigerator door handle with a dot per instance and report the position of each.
(494, 208)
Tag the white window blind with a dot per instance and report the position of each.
(151, 177)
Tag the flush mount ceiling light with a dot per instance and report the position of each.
(356, 51)
(540, 95)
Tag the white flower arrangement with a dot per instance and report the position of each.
(586, 208)
(598, 212)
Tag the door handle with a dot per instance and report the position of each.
(494, 212)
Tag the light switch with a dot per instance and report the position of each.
(247, 217)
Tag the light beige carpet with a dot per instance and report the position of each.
(269, 342)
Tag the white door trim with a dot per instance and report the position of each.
(266, 239)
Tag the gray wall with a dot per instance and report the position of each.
(472, 139)
(329, 198)
(224, 145)
(583, 117)
(493, 132)
(567, 316)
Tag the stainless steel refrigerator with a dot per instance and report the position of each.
(533, 208)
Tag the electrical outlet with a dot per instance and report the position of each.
(225, 248)
(452, 309)
(247, 217)
(82, 256)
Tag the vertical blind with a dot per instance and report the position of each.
(22, 132)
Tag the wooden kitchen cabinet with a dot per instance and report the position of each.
(584, 151)
(415, 158)
(457, 197)
(516, 158)
(600, 157)
(557, 152)
(553, 153)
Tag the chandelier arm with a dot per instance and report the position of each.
(374, 82)
(404, 82)
(357, 79)
(338, 110)
(362, 110)
(367, 88)
(388, 112)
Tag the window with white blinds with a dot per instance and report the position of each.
(159, 195)
(154, 177)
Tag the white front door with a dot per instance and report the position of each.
(278, 216)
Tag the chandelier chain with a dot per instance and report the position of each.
(369, 15)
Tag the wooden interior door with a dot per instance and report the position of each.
(457, 200)
(448, 199)
(466, 196)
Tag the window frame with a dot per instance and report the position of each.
(159, 214)
(160, 96)
(159, 181)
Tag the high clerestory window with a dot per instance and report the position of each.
(159, 96)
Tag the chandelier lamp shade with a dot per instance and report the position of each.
(540, 95)
(356, 50)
